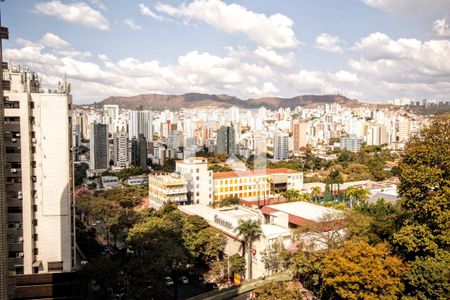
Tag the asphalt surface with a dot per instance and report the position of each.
(188, 290)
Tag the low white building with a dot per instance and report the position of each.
(109, 182)
(227, 220)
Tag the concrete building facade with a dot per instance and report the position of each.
(39, 175)
(281, 146)
(167, 188)
(198, 177)
(99, 147)
(226, 142)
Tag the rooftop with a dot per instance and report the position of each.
(226, 219)
(247, 173)
(305, 210)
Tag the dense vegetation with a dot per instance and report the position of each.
(391, 251)
(158, 243)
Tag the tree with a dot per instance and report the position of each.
(249, 231)
(385, 220)
(217, 271)
(429, 278)
(357, 172)
(278, 290)
(80, 172)
(360, 271)
(237, 264)
(356, 194)
(158, 246)
(291, 195)
(424, 191)
(315, 193)
(274, 257)
(210, 244)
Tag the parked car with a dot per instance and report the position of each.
(183, 279)
(211, 286)
(168, 281)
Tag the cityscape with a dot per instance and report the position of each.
(279, 166)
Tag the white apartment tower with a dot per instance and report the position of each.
(140, 122)
(376, 135)
(112, 116)
(199, 179)
(121, 149)
(39, 175)
(281, 146)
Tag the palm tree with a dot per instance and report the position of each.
(250, 231)
(306, 197)
(358, 194)
(291, 195)
(315, 193)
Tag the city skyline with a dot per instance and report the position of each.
(297, 48)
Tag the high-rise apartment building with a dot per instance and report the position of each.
(121, 149)
(140, 122)
(376, 135)
(299, 134)
(139, 152)
(226, 140)
(175, 140)
(3, 203)
(198, 177)
(99, 147)
(112, 110)
(281, 146)
(351, 143)
(39, 175)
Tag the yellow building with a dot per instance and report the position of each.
(246, 184)
(254, 184)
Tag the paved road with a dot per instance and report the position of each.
(188, 290)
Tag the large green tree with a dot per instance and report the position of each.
(274, 257)
(429, 278)
(360, 271)
(425, 191)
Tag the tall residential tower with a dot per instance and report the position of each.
(38, 175)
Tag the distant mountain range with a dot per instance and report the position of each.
(194, 100)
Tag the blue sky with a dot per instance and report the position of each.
(366, 49)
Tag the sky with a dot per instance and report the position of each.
(370, 50)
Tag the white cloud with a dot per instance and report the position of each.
(275, 31)
(77, 13)
(193, 72)
(411, 7)
(329, 43)
(441, 28)
(345, 76)
(403, 67)
(378, 46)
(268, 89)
(146, 11)
(310, 82)
(272, 57)
(53, 41)
(132, 24)
(99, 4)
